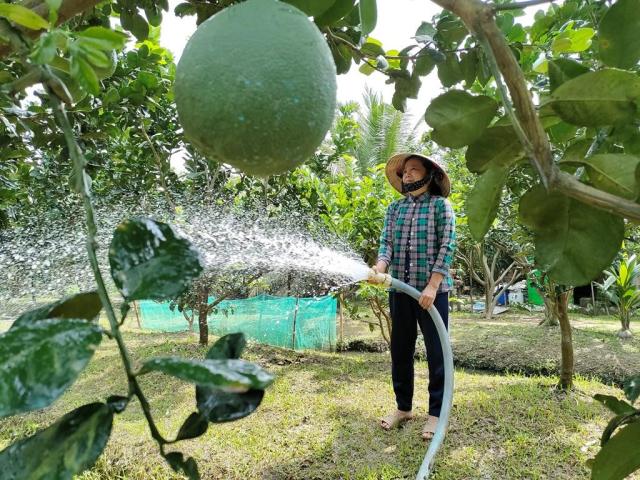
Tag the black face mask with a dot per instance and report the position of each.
(412, 187)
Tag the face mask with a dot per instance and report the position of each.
(412, 187)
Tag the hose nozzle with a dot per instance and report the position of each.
(376, 277)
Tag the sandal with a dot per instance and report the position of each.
(429, 429)
(396, 419)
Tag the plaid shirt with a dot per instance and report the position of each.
(419, 238)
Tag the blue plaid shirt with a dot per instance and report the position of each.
(419, 238)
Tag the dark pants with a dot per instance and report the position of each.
(406, 313)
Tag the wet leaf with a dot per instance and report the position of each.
(41, 360)
(230, 375)
(194, 426)
(84, 305)
(66, 448)
(149, 260)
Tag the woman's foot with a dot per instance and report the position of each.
(396, 419)
(429, 429)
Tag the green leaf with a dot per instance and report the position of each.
(572, 41)
(337, 11)
(605, 97)
(111, 96)
(154, 15)
(23, 16)
(229, 375)
(458, 118)
(498, 146)
(41, 360)
(184, 9)
(63, 450)
(83, 73)
(617, 406)
(483, 201)
(229, 346)
(189, 467)
(54, 6)
(632, 388)
(86, 305)
(563, 69)
(312, 8)
(427, 58)
(45, 49)
(366, 69)
(562, 132)
(93, 55)
(368, 16)
(135, 23)
(574, 241)
(149, 260)
(450, 30)
(615, 173)
(372, 47)
(619, 457)
(449, 71)
(194, 426)
(342, 56)
(469, 64)
(104, 38)
(618, 39)
(219, 406)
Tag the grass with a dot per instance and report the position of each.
(319, 419)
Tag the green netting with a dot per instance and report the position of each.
(300, 323)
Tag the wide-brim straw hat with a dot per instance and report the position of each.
(395, 165)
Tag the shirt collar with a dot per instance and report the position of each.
(420, 198)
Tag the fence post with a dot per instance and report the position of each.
(295, 317)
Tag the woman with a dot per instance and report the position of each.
(417, 245)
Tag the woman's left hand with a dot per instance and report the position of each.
(427, 297)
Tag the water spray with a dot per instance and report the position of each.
(386, 280)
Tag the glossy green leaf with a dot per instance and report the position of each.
(23, 16)
(562, 132)
(45, 49)
(617, 406)
(229, 375)
(41, 360)
(86, 305)
(563, 69)
(342, 56)
(149, 260)
(366, 69)
(458, 118)
(219, 406)
(498, 146)
(104, 38)
(98, 58)
(449, 71)
(312, 8)
(425, 33)
(605, 97)
(618, 39)
(195, 425)
(469, 64)
(574, 242)
(188, 467)
(63, 450)
(619, 457)
(228, 346)
(632, 388)
(368, 16)
(483, 201)
(372, 47)
(337, 11)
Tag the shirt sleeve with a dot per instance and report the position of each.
(446, 230)
(385, 252)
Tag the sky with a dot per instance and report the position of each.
(397, 22)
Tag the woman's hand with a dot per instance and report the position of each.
(427, 297)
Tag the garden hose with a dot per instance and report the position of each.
(447, 401)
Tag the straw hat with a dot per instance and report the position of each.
(395, 165)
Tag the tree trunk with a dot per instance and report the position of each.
(567, 364)
(203, 314)
(550, 312)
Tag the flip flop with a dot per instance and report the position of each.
(429, 429)
(395, 420)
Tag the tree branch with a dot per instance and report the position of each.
(479, 20)
(519, 5)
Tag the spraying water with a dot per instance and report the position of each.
(47, 260)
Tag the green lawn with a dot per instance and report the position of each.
(319, 420)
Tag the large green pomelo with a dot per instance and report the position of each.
(256, 87)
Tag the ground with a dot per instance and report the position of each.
(319, 419)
